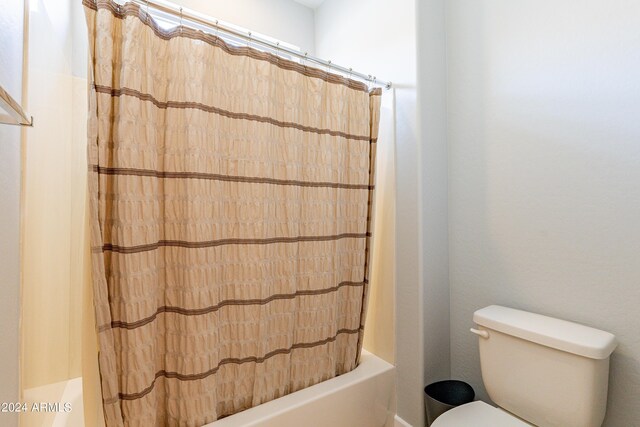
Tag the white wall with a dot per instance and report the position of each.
(432, 109)
(284, 20)
(379, 37)
(544, 139)
(11, 24)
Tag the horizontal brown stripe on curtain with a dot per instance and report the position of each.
(231, 195)
(218, 177)
(231, 114)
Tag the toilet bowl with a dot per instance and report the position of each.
(538, 370)
(478, 414)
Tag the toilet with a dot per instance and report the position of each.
(539, 370)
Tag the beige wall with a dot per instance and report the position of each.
(52, 205)
(11, 57)
(544, 137)
(379, 332)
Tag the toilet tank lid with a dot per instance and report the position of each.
(548, 331)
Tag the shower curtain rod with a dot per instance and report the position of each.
(185, 14)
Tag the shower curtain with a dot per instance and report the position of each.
(230, 197)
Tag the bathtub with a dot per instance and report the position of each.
(69, 392)
(363, 397)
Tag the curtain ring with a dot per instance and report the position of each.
(350, 72)
(249, 41)
(181, 20)
(304, 60)
(278, 51)
(328, 66)
(217, 29)
(147, 11)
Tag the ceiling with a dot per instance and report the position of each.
(310, 3)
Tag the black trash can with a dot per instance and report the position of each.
(444, 395)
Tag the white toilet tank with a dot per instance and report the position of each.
(547, 371)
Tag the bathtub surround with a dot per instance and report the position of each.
(231, 220)
(54, 317)
(11, 58)
(380, 330)
(53, 205)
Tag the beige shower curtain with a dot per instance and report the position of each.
(230, 195)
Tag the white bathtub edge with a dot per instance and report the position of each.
(399, 422)
(370, 367)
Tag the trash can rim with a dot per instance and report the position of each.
(467, 389)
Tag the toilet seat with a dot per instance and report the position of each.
(478, 414)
